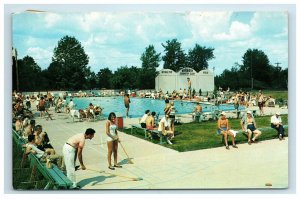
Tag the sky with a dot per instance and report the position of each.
(115, 39)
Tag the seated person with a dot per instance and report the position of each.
(223, 128)
(143, 120)
(248, 125)
(276, 123)
(19, 124)
(90, 111)
(150, 122)
(29, 129)
(164, 128)
(98, 110)
(82, 114)
(43, 156)
(42, 140)
(26, 122)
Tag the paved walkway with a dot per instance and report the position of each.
(249, 166)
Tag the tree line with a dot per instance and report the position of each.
(255, 72)
(69, 69)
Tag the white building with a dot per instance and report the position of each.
(168, 80)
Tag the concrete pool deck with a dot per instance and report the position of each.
(249, 166)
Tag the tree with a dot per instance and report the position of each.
(175, 58)
(104, 78)
(150, 61)
(256, 63)
(199, 56)
(54, 75)
(71, 64)
(29, 74)
(126, 78)
(91, 80)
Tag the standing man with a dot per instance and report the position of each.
(276, 123)
(71, 148)
(198, 112)
(126, 102)
(189, 87)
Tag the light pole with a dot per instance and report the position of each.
(251, 73)
(15, 56)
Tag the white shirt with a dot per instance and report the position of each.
(166, 123)
(275, 120)
(71, 104)
(39, 153)
(143, 120)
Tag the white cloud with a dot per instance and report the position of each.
(31, 41)
(116, 39)
(95, 40)
(41, 56)
(205, 24)
(51, 19)
(269, 22)
(91, 20)
(237, 31)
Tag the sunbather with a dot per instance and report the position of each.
(248, 125)
(223, 128)
(150, 122)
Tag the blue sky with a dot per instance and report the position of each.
(114, 39)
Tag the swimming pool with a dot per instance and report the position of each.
(139, 105)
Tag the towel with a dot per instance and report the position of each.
(233, 132)
(75, 113)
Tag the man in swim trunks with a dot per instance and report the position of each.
(126, 103)
(189, 87)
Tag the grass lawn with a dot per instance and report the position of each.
(276, 94)
(195, 136)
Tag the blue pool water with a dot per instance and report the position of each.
(139, 105)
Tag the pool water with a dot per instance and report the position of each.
(138, 106)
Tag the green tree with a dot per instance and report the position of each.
(71, 63)
(256, 63)
(150, 61)
(199, 56)
(91, 80)
(54, 75)
(104, 78)
(232, 78)
(174, 58)
(126, 78)
(29, 74)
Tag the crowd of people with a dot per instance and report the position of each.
(249, 127)
(39, 144)
(165, 126)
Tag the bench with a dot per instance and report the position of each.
(156, 132)
(246, 135)
(138, 126)
(55, 177)
(199, 117)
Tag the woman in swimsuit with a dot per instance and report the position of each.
(112, 140)
(223, 128)
(249, 126)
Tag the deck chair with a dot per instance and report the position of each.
(75, 114)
